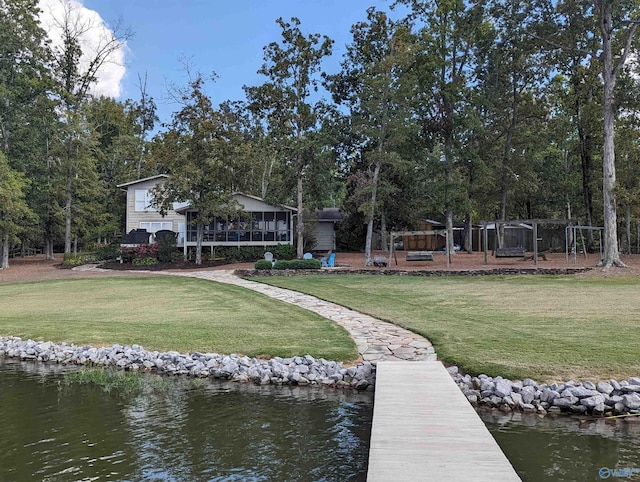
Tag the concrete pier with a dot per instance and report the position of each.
(425, 429)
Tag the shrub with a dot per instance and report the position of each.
(297, 264)
(108, 252)
(284, 251)
(263, 264)
(148, 261)
(71, 260)
(166, 246)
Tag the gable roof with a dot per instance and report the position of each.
(138, 181)
(186, 208)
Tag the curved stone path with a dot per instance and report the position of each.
(376, 340)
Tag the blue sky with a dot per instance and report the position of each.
(218, 35)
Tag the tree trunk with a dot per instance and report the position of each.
(449, 217)
(4, 247)
(468, 233)
(300, 225)
(48, 249)
(628, 230)
(383, 233)
(199, 236)
(372, 212)
(611, 255)
(67, 214)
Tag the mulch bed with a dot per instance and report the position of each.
(176, 265)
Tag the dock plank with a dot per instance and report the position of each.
(425, 429)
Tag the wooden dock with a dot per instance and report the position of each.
(425, 429)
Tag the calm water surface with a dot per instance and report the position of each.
(566, 448)
(211, 432)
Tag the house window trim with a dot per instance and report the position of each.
(143, 201)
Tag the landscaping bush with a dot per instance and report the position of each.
(297, 264)
(263, 264)
(166, 248)
(72, 260)
(148, 261)
(108, 252)
(284, 251)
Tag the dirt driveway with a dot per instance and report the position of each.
(35, 268)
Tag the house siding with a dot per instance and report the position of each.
(325, 236)
(134, 218)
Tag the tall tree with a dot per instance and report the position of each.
(14, 211)
(373, 87)
(75, 79)
(199, 154)
(285, 99)
(447, 31)
(623, 32)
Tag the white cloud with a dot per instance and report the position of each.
(95, 32)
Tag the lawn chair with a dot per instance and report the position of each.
(328, 262)
(269, 257)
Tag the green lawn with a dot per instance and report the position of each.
(168, 313)
(548, 328)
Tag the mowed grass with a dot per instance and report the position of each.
(546, 328)
(168, 313)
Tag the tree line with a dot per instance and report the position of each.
(458, 110)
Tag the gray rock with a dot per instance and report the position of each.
(619, 407)
(631, 401)
(528, 408)
(630, 388)
(614, 384)
(634, 381)
(452, 370)
(549, 396)
(592, 402)
(487, 386)
(582, 392)
(599, 409)
(565, 402)
(503, 388)
(578, 409)
(528, 394)
(604, 387)
(614, 399)
(517, 399)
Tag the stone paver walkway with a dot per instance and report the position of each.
(376, 340)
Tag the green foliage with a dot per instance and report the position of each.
(297, 264)
(263, 264)
(123, 383)
(71, 260)
(108, 252)
(166, 249)
(147, 261)
(283, 251)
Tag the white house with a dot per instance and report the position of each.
(262, 224)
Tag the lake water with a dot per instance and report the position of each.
(211, 431)
(567, 448)
(225, 431)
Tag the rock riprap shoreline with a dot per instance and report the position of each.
(587, 398)
(277, 371)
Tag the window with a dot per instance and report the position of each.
(153, 227)
(144, 200)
